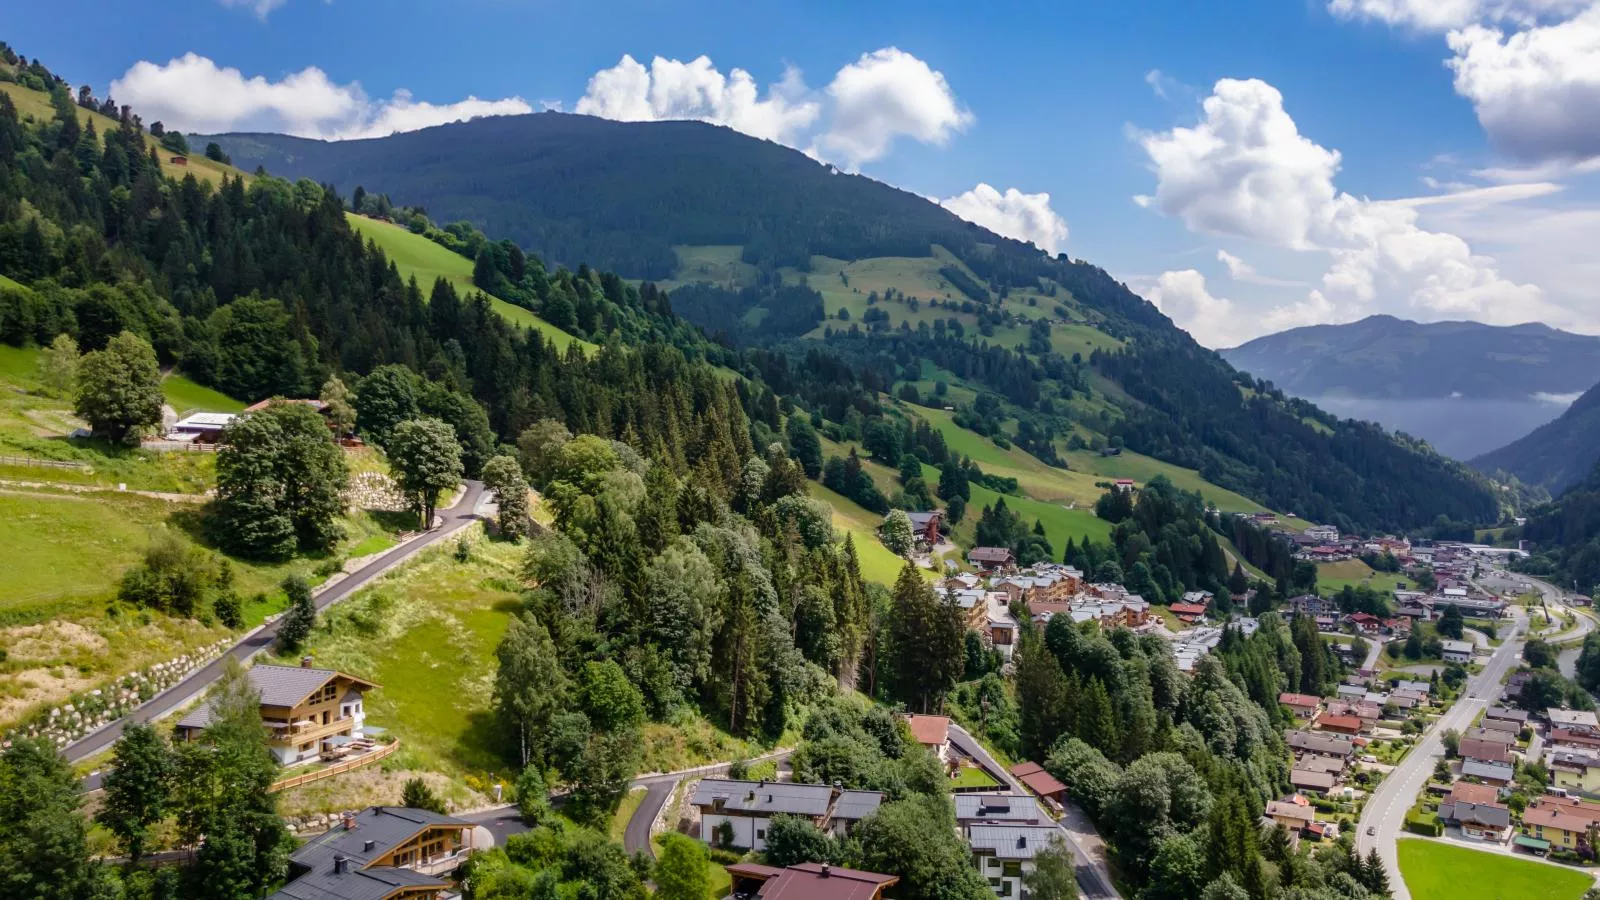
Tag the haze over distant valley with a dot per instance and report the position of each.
(1465, 387)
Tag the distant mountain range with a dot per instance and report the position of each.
(1464, 387)
(1556, 455)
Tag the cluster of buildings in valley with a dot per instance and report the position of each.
(991, 598)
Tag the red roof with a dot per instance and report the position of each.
(1036, 779)
(1188, 609)
(1364, 617)
(930, 730)
(1299, 700)
(1467, 792)
(1339, 723)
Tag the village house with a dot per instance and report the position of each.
(1556, 825)
(308, 712)
(1003, 854)
(379, 853)
(991, 558)
(738, 813)
(925, 527)
(1313, 781)
(1340, 724)
(1482, 820)
(1189, 612)
(1320, 743)
(999, 809)
(1574, 720)
(1042, 783)
(1575, 770)
(1295, 813)
(1490, 735)
(1518, 717)
(1562, 738)
(1498, 774)
(806, 881)
(1369, 713)
(1123, 485)
(1326, 534)
(1304, 706)
(932, 732)
(1456, 651)
(1484, 751)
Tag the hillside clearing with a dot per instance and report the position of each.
(1335, 576)
(416, 256)
(877, 563)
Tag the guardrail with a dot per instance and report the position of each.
(338, 768)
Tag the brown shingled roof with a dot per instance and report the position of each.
(931, 731)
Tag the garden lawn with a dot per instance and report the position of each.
(415, 255)
(973, 777)
(1439, 871)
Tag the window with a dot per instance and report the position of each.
(994, 863)
(1005, 888)
(1013, 870)
(761, 833)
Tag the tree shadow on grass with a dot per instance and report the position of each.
(485, 747)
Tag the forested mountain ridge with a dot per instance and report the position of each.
(1383, 356)
(1556, 455)
(1050, 353)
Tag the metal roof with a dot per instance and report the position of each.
(765, 797)
(855, 805)
(1012, 841)
(998, 808)
(278, 686)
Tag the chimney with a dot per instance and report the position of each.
(341, 865)
(305, 661)
(826, 871)
(1022, 843)
(369, 846)
(349, 822)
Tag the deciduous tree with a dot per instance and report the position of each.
(118, 389)
(427, 458)
(138, 787)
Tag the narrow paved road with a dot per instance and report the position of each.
(1386, 808)
(457, 517)
(1088, 850)
(657, 789)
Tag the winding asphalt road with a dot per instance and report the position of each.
(1386, 808)
(1088, 850)
(457, 517)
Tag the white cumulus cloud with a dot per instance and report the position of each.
(1536, 91)
(696, 90)
(885, 95)
(1184, 298)
(1026, 217)
(194, 94)
(1246, 170)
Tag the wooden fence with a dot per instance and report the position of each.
(337, 768)
(44, 463)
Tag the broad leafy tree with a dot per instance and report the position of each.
(502, 476)
(279, 482)
(118, 389)
(138, 787)
(427, 461)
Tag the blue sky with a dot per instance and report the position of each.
(1271, 140)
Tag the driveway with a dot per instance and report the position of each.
(457, 517)
(1088, 849)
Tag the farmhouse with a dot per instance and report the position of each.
(308, 712)
(925, 526)
(379, 853)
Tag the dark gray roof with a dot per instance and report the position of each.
(1012, 841)
(1507, 713)
(856, 805)
(1494, 771)
(355, 884)
(1317, 742)
(1495, 816)
(385, 826)
(998, 808)
(765, 797)
(278, 686)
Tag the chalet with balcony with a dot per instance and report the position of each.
(310, 713)
(380, 853)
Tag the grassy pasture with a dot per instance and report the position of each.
(1439, 871)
